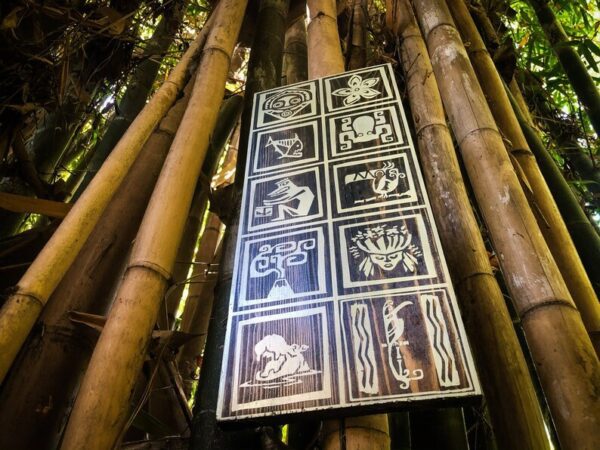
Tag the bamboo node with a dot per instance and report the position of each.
(29, 296)
(164, 273)
(544, 304)
(217, 49)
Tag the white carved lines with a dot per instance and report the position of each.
(394, 330)
(362, 131)
(373, 183)
(445, 362)
(286, 266)
(358, 88)
(272, 369)
(287, 104)
(385, 251)
(286, 147)
(285, 199)
(365, 365)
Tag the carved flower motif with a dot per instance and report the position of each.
(357, 89)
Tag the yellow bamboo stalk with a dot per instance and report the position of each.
(509, 391)
(547, 214)
(101, 408)
(23, 307)
(324, 50)
(357, 433)
(560, 346)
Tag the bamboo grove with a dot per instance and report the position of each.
(123, 125)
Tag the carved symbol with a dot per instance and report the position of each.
(385, 247)
(357, 89)
(281, 199)
(284, 364)
(384, 181)
(364, 355)
(445, 363)
(276, 259)
(287, 103)
(364, 129)
(287, 148)
(394, 329)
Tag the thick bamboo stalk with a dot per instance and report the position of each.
(324, 50)
(542, 203)
(267, 51)
(357, 53)
(228, 117)
(562, 351)
(582, 231)
(357, 433)
(509, 391)
(582, 82)
(21, 310)
(198, 305)
(295, 53)
(52, 363)
(100, 410)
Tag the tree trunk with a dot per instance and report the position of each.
(42, 385)
(583, 84)
(264, 72)
(198, 305)
(21, 310)
(138, 88)
(500, 361)
(542, 203)
(562, 351)
(100, 410)
(295, 59)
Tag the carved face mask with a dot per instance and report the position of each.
(386, 261)
(288, 103)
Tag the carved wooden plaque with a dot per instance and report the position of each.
(341, 295)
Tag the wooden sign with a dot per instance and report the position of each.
(341, 295)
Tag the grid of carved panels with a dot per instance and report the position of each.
(341, 295)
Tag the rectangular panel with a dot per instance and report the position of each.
(341, 298)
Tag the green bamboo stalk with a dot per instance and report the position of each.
(582, 82)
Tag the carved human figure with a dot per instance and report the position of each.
(283, 360)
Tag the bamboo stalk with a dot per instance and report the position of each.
(582, 231)
(52, 363)
(516, 415)
(295, 53)
(228, 117)
(561, 349)
(21, 310)
(357, 51)
(196, 315)
(357, 433)
(542, 203)
(582, 82)
(100, 410)
(324, 50)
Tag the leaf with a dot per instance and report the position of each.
(11, 20)
(589, 57)
(524, 40)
